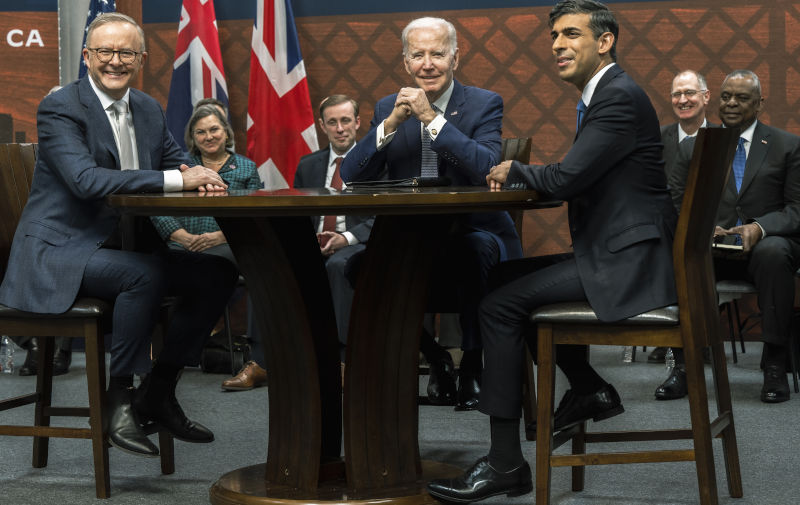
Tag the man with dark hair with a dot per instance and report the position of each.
(761, 206)
(621, 222)
(97, 136)
(340, 237)
(441, 128)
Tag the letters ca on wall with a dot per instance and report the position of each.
(29, 69)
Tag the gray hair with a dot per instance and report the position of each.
(745, 74)
(114, 17)
(701, 79)
(198, 114)
(429, 22)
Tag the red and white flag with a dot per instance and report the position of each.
(280, 121)
(197, 71)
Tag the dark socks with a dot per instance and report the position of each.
(118, 383)
(506, 451)
(774, 354)
(430, 349)
(573, 361)
(472, 361)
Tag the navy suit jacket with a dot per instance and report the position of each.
(770, 192)
(66, 218)
(467, 146)
(311, 173)
(621, 216)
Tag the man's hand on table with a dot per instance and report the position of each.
(497, 175)
(202, 179)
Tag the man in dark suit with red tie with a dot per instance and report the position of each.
(761, 204)
(621, 222)
(340, 237)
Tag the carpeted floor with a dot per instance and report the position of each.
(769, 444)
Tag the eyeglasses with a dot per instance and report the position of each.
(104, 54)
(214, 130)
(689, 93)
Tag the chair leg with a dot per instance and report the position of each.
(226, 315)
(528, 394)
(166, 448)
(698, 407)
(730, 448)
(544, 418)
(739, 324)
(96, 379)
(793, 360)
(44, 392)
(579, 447)
(731, 330)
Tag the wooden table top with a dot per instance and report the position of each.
(314, 202)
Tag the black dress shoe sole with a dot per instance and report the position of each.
(778, 398)
(663, 397)
(129, 451)
(463, 407)
(511, 493)
(601, 416)
(154, 426)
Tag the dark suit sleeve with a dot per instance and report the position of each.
(784, 220)
(362, 230)
(474, 155)
(66, 140)
(365, 162)
(607, 137)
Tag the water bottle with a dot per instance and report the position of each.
(6, 355)
(669, 359)
(627, 354)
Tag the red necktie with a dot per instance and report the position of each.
(329, 222)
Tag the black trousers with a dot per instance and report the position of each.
(520, 286)
(771, 268)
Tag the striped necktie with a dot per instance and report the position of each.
(430, 162)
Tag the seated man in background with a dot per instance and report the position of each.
(441, 128)
(621, 221)
(761, 205)
(340, 237)
(98, 137)
(209, 138)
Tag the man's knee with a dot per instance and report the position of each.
(773, 255)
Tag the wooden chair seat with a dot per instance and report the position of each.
(692, 325)
(83, 307)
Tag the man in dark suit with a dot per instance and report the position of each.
(621, 221)
(443, 128)
(761, 205)
(66, 242)
(340, 237)
(689, 96)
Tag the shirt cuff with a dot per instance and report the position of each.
(173, 181)
(351, 239)
(435, 126)
(381, 139)
(763, 231)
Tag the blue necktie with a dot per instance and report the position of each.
(581, 108)
(430, 161)
(739, 160)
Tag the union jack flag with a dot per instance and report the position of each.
(197, 71)
(280, 121)
(96, 7)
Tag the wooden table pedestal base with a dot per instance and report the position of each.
(246, 486)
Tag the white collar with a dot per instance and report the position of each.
(332, 154)
(588, 90)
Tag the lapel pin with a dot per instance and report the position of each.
(763, 141)
(454, 113)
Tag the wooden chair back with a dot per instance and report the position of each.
(516, 149)
(16, 174)
(694, 273)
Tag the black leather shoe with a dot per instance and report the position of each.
(155, 403)
(122, 426)
(469, 391)
(573, 409)
(597, 406)
(657, 355)
(675, 386)
(442, 381)
(31, 364)
(776, 385)
(61, 362)
(482, 481)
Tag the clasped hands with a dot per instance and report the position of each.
(750, 233)
(409, 102)
(202, 179)
(497, 175)
(330, 242)
(197, 243)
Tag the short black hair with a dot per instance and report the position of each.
(601, 19)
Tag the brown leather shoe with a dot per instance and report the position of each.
(250, 376)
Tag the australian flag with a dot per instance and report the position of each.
(280, 121)
(197, 72)
(96, 7)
